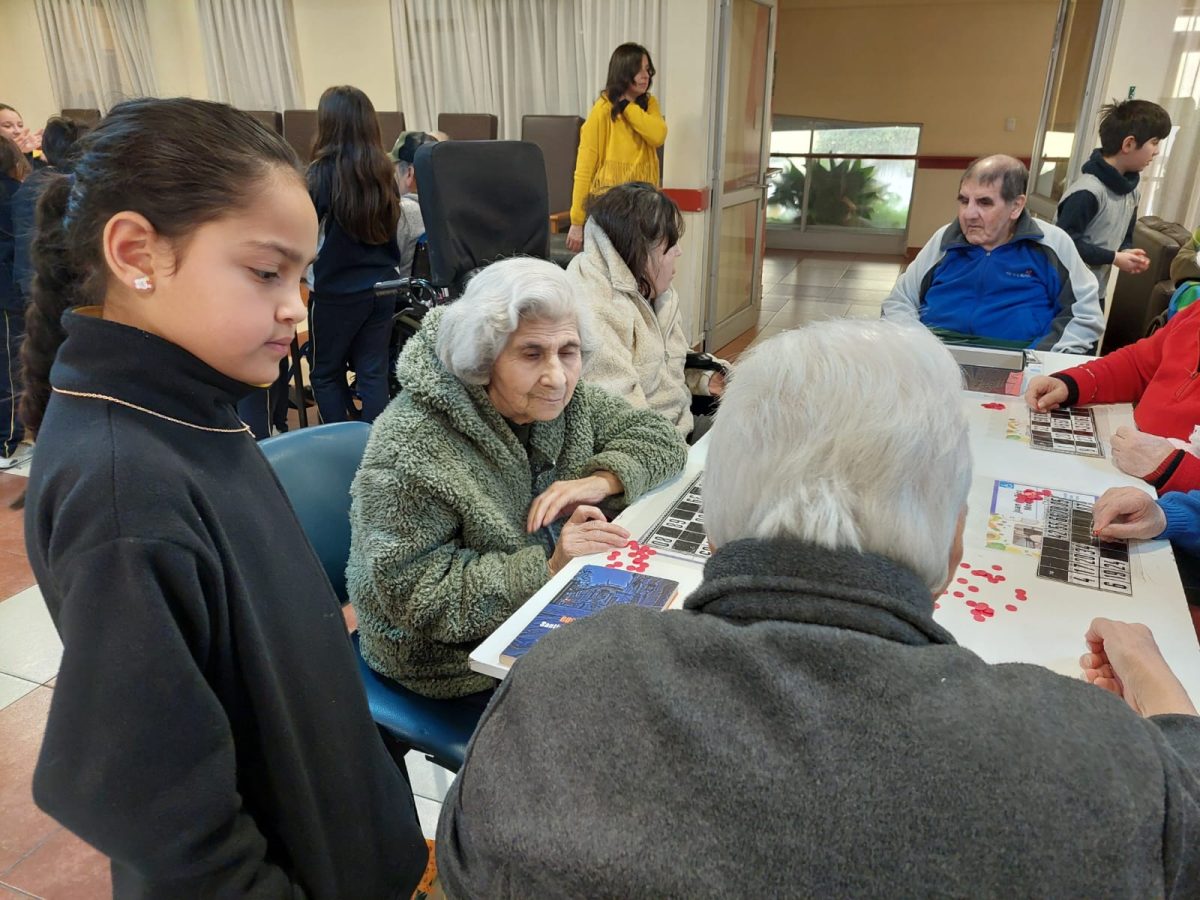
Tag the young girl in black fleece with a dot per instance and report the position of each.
(208, 730)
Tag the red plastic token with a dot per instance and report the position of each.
(973, 589)
(959, 594)
(1010, 607)
(972, 603)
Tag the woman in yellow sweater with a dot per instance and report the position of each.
(619, 141)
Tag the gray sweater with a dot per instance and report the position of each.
(804, 728)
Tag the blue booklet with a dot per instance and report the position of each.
(592, 589)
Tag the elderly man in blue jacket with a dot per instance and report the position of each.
(997, 276)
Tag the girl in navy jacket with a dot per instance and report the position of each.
(353, 186)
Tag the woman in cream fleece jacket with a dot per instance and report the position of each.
(624, 275)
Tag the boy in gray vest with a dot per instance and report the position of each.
(1098, 209)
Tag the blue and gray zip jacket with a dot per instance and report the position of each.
(1033, 289)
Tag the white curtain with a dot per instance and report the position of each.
(250, 53)
(513, 57)
(98, 51)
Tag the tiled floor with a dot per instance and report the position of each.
(38, 858)
(802, 287)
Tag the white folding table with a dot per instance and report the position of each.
(1048, 625)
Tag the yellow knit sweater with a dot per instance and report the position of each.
(612, 153)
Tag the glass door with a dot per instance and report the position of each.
(1075, 61)
(747, 35)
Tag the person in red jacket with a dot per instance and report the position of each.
(1159, 374)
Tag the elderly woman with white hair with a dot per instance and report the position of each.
(481, 479)
(804, 728)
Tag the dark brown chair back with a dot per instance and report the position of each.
(391, 126)
(1133, 302)
(469, 126)
(558, 136)
(269, 117)
(300, 130)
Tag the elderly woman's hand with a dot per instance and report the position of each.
(1124, 659)
(1046, 393)
(587, 531)
(1137, 453)
(562, 497)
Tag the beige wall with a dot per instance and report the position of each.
(24, 78)
(174, 27)
(348, 42)
(688, 32)
(959, 68)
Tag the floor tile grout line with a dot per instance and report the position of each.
(21, 891)
(32, 850)
(23, 678)
(29, 681)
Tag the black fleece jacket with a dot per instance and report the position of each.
(208, 729)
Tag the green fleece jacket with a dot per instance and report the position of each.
(439, 556)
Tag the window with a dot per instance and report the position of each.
(841, 174)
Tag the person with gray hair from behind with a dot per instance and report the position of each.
(804, 728)
(411, 226)
(998, 277)
(483, 477)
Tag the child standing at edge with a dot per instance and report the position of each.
(1099, 209)
(14, 169)
(208, 730)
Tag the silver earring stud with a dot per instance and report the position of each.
(142, 283)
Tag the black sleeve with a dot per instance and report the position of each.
(1074, 214)
(1072, 388)
(7, 244)
(1176, 458)
(318, 188)
(138, 757)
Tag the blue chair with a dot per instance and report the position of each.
(315, 466)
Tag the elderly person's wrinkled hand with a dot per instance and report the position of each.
(587, 531)
(1127, 513)
(716, 384)
(563, 497)
(1124, 659)
(1045, 393)
(1137, 453)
